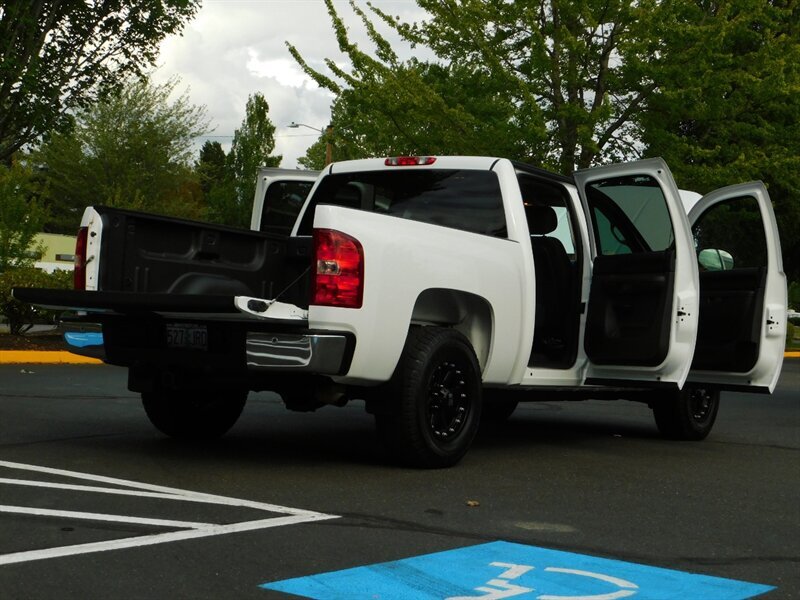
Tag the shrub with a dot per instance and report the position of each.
(790, 329)
(794, 293)
(19, 315)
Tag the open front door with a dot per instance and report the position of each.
(742, 289)
(642, 314)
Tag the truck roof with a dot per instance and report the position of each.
(295, 173)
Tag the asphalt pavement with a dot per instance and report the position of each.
(565, 500)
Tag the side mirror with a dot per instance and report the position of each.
(712, 259)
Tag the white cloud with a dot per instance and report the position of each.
(234, 48)
(283, 70)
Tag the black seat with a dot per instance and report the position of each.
(554, 289)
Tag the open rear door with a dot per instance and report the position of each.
(742, 290)
(280, 195)
(642, 314)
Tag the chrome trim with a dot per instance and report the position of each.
(316, 353)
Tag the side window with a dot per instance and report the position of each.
(609, 238)
(546, 211)
(563, 231)
(730, 235)
(630, 215)
(282, 203)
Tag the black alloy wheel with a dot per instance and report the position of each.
(448, 401)
(433, 407)
(688, 414)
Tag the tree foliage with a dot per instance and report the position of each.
(420, 108)
(230, 201)
(728, 105)
(21, 216)
(21, 316)
(210, 166)
(59, 55)
(131, 150)
(556, 82)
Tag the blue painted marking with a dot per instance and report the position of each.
(83, 339)
(505, 570)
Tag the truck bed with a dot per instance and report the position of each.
(154, 254)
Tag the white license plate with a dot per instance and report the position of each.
(187, 335)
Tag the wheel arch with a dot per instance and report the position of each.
(467, 313)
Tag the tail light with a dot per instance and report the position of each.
(79, 272)
(339, 270)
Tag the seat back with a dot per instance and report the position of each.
(554, 275)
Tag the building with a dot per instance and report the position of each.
(59, 251)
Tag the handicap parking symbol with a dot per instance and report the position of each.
(499, 570)
(501, 586)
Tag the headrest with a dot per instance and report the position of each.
(541, 219)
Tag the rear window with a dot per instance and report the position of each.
(460, 199)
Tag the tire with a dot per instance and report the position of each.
(299, 402)
(194, 415)
(435, 400)
(497, 408)
(688, 414)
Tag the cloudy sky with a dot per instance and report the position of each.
(234, 48)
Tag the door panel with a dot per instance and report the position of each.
(731, 304)
(642, 313)
(742, 289)
(629, 317)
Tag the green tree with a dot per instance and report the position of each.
(568, 75)
(253, 143)
(210, 166)
(728, 104)
(21, 216)
(420, 108)
(131, 150)
(60, 55)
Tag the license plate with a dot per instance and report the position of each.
(187, 335)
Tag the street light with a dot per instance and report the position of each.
(294, 125)
(328, 131)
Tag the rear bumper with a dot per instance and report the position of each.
(234, 347)
(320, 353)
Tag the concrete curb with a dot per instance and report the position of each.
(62, 357)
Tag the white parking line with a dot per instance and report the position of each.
(72, 514)
(101, 490)
(292, 516)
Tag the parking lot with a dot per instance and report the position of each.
(564, 500)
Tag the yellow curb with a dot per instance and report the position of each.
(45, 357)
(60, 357)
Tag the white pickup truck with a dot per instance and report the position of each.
(441, 291)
